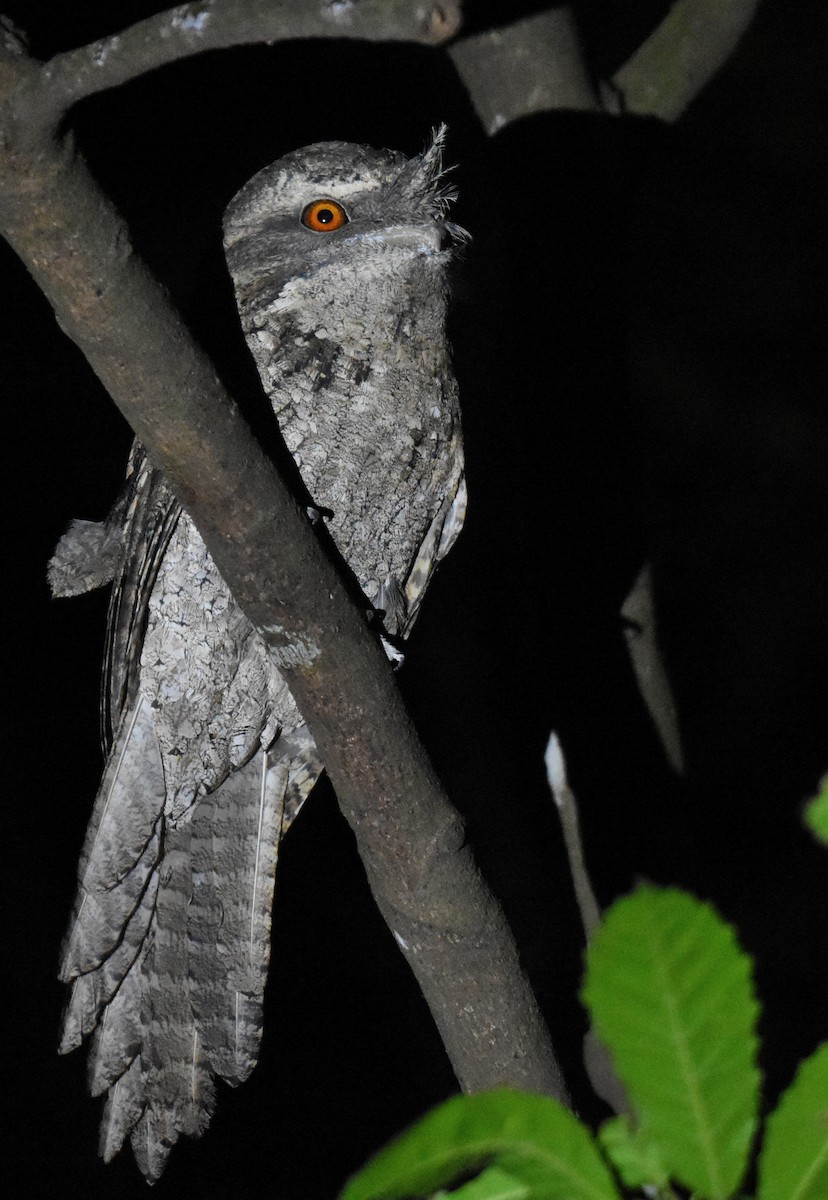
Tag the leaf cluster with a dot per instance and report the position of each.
(671, 996)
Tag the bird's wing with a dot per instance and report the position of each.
(439, 539)
(126, 550)
(149, 515)
(90, 553)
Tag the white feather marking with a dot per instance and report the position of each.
(194, 1071)
(262, 802)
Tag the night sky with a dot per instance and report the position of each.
(639, 328)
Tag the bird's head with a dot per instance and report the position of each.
(339, 220)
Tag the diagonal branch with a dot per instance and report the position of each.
(411, 840)
(681, 56)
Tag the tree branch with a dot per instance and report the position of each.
(537, 65)
(682, 55)
(597, 1059)
(641, 635)
(411, 840)
(533, 65)
(216, 24)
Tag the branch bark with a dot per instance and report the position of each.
(682, 55)
(216, 24)
(411, 840)
(534, 65)
(537, 64)
(638, 612)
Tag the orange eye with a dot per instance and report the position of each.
(322, 216)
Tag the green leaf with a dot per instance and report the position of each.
(533, 1140)
(671, 996)
(816, 812)
(632, 1152)
(492, 1184)
(794, 1161)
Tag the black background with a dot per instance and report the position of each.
(640, 338)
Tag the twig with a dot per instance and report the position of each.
(567, 807)
(641, 636)
(597, 1059)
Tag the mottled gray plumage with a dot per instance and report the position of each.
(167, 951)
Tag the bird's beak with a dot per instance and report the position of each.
(424, 237)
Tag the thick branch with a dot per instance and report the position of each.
(534, 65)
(215, 24)
(411, 840)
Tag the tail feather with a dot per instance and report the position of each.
(121, 846)
(169, 947)
(94, 991)
(234, 849)
(177, 1080)
(116, 1043)
(149, 1146)
(123, 1109)
(146, 1049)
